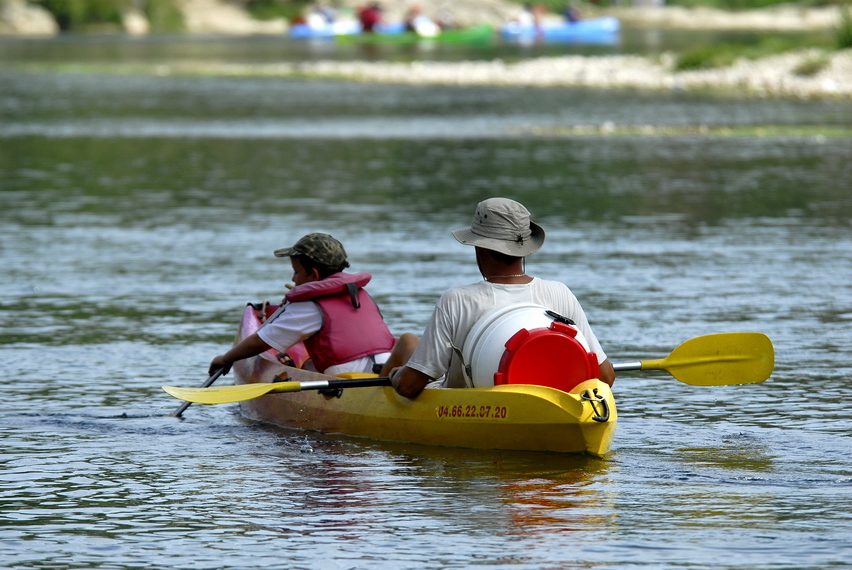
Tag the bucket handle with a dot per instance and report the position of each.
(468, 376)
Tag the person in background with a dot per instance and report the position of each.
(571, 13)
(445, 19)
(370, 17)
(417, 22)
(411, 15)
(503, 236)
(320, 17)
(527, 16)
(328, 310)
(530, 18)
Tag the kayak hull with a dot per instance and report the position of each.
(339, 29)
(304, 31)
(593, 31)
(511, 417)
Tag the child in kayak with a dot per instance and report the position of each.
(328, 310)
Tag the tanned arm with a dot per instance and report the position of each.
(408, 381)
(250, 346)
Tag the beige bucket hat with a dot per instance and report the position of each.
(503, 225)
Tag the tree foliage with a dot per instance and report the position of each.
(71, 14)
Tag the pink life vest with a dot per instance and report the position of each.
(352, 325)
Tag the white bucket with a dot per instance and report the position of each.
(485, 344)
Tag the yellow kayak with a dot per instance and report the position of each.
(511, 416)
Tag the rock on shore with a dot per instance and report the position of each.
(18, 17)
(220, 17)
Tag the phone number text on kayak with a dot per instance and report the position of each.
(473, 412)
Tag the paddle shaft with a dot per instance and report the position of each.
(624, 366)
(207, 383)
(343, 383)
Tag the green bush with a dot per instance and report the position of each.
(76, 14)
(721, 55)
(270, 9)
(811, 65)
(164, 16)
(843, 32)
(703, 57)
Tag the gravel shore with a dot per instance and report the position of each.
(777, 76)
(769, 77)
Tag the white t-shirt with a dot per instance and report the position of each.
(459, 308)
(298, 322)
(526, 19)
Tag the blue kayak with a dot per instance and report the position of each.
(342, 28)
(596, 30)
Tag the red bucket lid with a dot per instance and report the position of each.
(547, 357)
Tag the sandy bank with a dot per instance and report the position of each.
(770, 77)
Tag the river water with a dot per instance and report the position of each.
(140, 214)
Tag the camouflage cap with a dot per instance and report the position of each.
(322, 248)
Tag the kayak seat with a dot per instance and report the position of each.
(547, 356)
(268, 310)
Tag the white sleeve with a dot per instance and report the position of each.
(434, 351)
(585, 328)
(298, 322)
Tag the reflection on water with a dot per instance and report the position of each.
(599, 179)
(140, 217)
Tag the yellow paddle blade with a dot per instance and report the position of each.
(719, 359)
(229, 394)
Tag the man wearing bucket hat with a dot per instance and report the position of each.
(327, 309)
(502, 235)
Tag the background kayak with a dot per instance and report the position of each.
(340, 28)
(596, 30)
